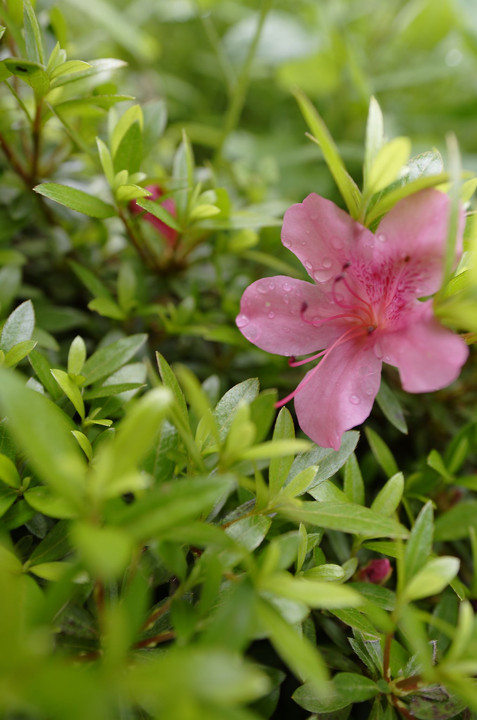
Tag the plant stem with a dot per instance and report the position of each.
(141, 250)
(36, 137)
(14, 162)
(237, 102)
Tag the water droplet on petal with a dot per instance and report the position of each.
(286, 287)
(308, 266)
(242, 321)
(271, 285)
(252, 333)
(286, 242)
(286, 299)
(369, 390)
(378, 351)
(354, 399)
(327, 262)
(263, 289)
(271, 315)
(337, 243)
(323, 274)
(382, 237)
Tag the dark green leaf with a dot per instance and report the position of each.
(77, 200)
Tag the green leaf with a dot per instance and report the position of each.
(8, 472)
(419, 544)
(432, 578)
(227, 406)
(106, 307)
(249, 531)
(108, 359)
(454, 524)
(7, 498)
(381, 452)
(389, 200)
(128, 155)
(54, 546)
(170, 381)
(18, 353)
(172, 505)
(133, 115)
(299, 484)
(106, 161)
(387, 164)
(314, 593)
(301, 656)
(44, 501)
(348, 688)
(42, 368)
(391, 407)
(43, 433)
(183, 174)
(89, 280)
(71, 67)
(156, 209)
(33, 39)
(353, 481)
(84, 443)
(374, 135)
(274, 449)
(105, 551)
(18, 326)
(320, 134)
(76, 356)
(30, 72)
(70, 389)
(389, 497)
(328, 461)
(77, 200)
(345, 517)
(281, 466)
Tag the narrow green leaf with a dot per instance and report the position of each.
(274, 449)
(105, 551)
(106, 161)
(280, 466)
(301, 656)
(76, 356)
(348, 688)
(7, 497)
(353, 481)
(33, 39)
(75, 199)
(69, 67)
(322, 137)
(381, 452)
(314, 593)
(84, 443)
(128, 155)
(419, 544)
(389, 200)
(70, 389)
(108, 359)
(156, 209)
(299, 484)
(374, 135)
(389, 497)
(454, 524)
(107, 307)
(345, 517)
(44, 501)
(391, 407)
(227, 406)
(328, 461)
(385, 167)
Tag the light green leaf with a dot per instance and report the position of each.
(353, 481)
(274, 449)
(44, 501)
(431, 579)
(43, 433)
(106, 161)
(280, 467)
(70, 389)
(132, 115)
(106, 307)
(299, 484)
(18, 326)
(389, 497)
(75, 199)
(18, 353)
(322, 137)
(249, 531)
(33, 39)
(374, 135)
(8, 472)
(314, 593)
(108, 359)
(67, 68)
(387, 164)
(105, 551)
(345, 517)
(76, 356)
(389, 200)
(84, 443)
(160, 212)
(419, 545)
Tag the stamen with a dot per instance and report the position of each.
(350, 290)
(350, 334)
(292, 362)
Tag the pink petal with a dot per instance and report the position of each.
(339, 393)
(277, 315)
(428, 355)
(415, 231)
(324, 237)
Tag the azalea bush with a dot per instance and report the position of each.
(210, 209)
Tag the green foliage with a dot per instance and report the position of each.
(170, 546)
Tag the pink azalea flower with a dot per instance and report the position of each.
(169, 234)
(361, 310)
(377, 571)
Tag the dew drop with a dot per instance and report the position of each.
(263, 289)
(308, 266)
(382, 237)
(286, 242)
(354, 399)
(323, 274)
(242, 321)
(369, 390)
(286, 299)
(252, 333)
(271, 285)
(378, 351)
(327, 262)
(337, 243)
(286, 287)
(271, 315)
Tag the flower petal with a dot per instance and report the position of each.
(415, 231)
(277, 315)
(339, 393)
(428, 355)
(324, 237)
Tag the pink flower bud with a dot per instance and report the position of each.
(376, 571)
(168, 233)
